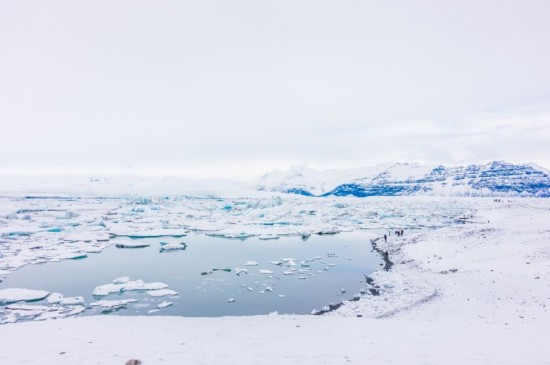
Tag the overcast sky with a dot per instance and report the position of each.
(237, 88)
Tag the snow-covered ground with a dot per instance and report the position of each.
(457, 293)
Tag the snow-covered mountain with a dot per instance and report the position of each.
(493, 179)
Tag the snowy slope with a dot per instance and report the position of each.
(493, 179)
(475, 293)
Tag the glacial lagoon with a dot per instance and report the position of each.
(215, 276)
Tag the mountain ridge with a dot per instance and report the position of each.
(496, 178)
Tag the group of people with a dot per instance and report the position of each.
(398, 233)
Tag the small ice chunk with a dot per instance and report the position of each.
(121, 280)
(250, 263)
(249, 288)
(268, 288)
(262, 271)
(164, 304)
(231, 300)
(11, 295)
(161, 293)
(281, 296)
(269, 237)
(173, 247)
(239, 271)
(75, 310)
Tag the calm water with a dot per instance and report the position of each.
(344, 260)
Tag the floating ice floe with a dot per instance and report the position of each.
(164, 304)
(150, 233)
(266, 237)
(132, 245)
(39, 312)
(289, 261)
(54, 298)
(72, 301)
(113, 305)
(263, 271)
(107, 289)
(11, 295)
(241, 271)
(231, 235)
(161, 292)
(60, 313)
(168, 247)
(231, 300)
(250, 263)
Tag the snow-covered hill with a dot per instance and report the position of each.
(493, 179)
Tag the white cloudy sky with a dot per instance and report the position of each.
(237, 88)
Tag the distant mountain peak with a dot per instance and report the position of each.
(496, 178)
